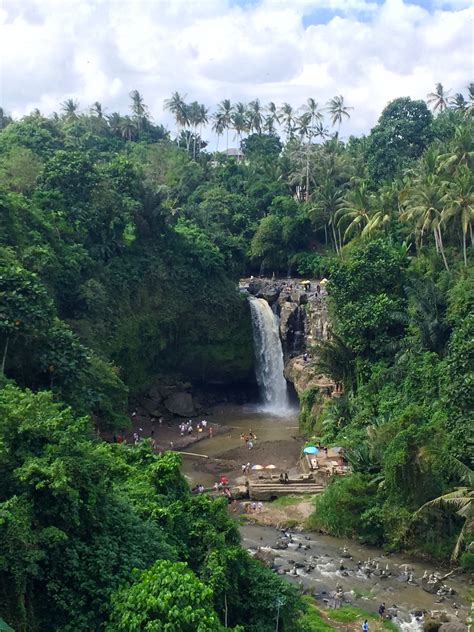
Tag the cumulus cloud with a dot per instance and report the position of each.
(279, 50)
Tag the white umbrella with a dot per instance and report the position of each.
(257, 467)
(270, 467)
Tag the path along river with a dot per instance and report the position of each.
(325, 552)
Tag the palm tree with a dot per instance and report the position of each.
(286, 115)
(239, 120)
(218, 126)
(96, 110)
(470, 107)
(329, 198)
(272, 117)
(387, 205)
(356, 209)
(459, 201)
(226, 109)
(425, 203)
(338, 110)
(311, 108)
(138, 107)
(438, 99)
(336, 360)
(69, 108)
(461, 500)
(114, 120)
(461, 150)
(127, 128)
(177, 106)
(458, 102)
(255, 116)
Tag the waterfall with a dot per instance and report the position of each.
(269, 357)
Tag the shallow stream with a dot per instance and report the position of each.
(368, 592)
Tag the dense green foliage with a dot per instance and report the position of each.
(78, 515)
(120, 251)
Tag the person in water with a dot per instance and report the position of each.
(382, 610)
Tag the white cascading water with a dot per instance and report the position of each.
(269, 357)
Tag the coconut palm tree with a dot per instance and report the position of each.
(461, 500)
(255, 116)
(458, 102)
(178, 108)
(226, 109)
(461, 150)
(356, 209)
(470, 107)
(218, 126)
(287, 115)
(69, 108)
(272, 117)
(459, 201)
(239, 120)
(439, 99)
(114, 121)
(97, 110)
(338, 110)
(128, 128)
(139, 109)
(424, 204)
(311, 108)
(328, 199)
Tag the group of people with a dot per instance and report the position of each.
(186, 427)
(249, 439)
(284, 478)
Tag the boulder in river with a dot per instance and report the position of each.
(453, 626)
(266, 556)
(180, 404)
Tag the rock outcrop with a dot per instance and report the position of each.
(180, 404)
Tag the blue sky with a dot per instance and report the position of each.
(370, 51)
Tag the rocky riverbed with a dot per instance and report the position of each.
(338, 572)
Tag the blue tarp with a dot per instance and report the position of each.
(311, 449)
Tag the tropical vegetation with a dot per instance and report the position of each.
(121, 244)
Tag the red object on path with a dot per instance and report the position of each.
(224, 480)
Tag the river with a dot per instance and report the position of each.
(365, 591)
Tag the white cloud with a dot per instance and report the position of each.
(212, 49)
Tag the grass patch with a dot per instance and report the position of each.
(292, 499)
(349, 614)
(312, 620)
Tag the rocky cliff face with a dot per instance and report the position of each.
(303, 322)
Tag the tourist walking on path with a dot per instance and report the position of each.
(365, 626)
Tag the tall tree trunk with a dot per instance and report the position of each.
(441, 248)
(436, 240)
(325, 234)
(307, 175)
(334, 237)
(5, 351)
(464, 252)
(225, 610)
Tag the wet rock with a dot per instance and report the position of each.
(180, 404)
(453, 626)
(155, 393)
(265, 556)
